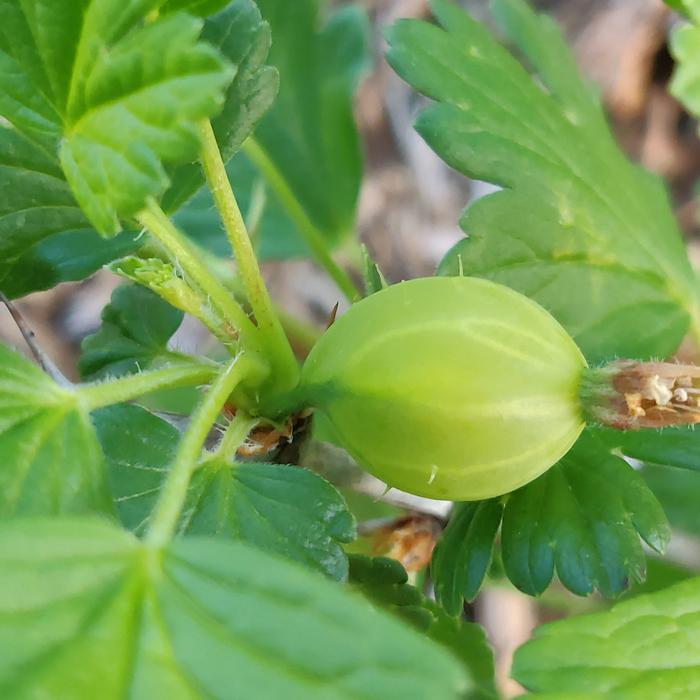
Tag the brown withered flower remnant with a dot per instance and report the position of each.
(629, 395)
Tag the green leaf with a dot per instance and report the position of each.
(677, 5)
(62, 257)
(678, 492)
(88, 611)
(35, 200)
(50, 460)
(578, 228)
(282, 509)
(583, 518)
(463, 554)
(138, 448)
(107, 96)
(385, 582)
(685, 47)
(677, 483)
(309, 138)
(136, 327)
(243, 38)
(201, 8)
(641, 649)
(661, 573)
(674, 447)
(165, 280)
(44, 237)
(373, 277)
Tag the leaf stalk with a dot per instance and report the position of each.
(276, 345)
(174, 492)
(100, 394)
(183, 254)
(307, 230)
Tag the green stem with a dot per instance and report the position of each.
(107, 393)
(278, 349)
(301, 334)
(694, 329)
(312, 236)
(236, 433)
(184, 255)
(159, 275)
(174, 492)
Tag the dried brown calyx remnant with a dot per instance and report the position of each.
(409, 540)
(266, 440)
(629, 395)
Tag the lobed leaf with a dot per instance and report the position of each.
(642, 649)
(685, 47)
(241, 35)
(63, 257)
(138, 447)
(282, 509)
(99, 100)
(50, 459)
(463, 554)
(671, 468)
(307, 143)
(577, 227)
(137, 105)
(136, 327)
(673, 446)
(44, 236)
(95, 613)
(35, 200)
(385, 582)
(678, 492)
(583, 518)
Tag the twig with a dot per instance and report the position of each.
(44, 361)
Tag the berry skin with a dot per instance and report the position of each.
(449, 387)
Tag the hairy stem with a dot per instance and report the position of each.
(277, 348)
(236, 433)
(184, 255)
(302, 335)
(107, 393)
(174, 492)
(159, 275)
(311, 235)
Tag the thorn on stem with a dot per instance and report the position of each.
(333, 314)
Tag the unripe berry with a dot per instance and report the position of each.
(449, 387)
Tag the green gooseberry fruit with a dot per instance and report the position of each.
(449, 387)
